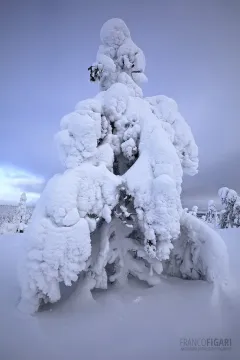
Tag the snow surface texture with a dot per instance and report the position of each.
(125, 157)
(134, 322)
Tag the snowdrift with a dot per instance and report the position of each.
(135, 322)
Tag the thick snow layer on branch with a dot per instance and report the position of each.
(179, 131)
(114, 32)
(116, 55)
(58, 238)
(200, 253)
(154, 181)
(53, 253)
(80, 132)
(86, 190)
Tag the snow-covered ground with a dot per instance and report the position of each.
(137, 322)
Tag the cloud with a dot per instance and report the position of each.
(14, 181)
(197, 190)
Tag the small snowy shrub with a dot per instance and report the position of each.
(116, 210)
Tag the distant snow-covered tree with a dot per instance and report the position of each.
(20, 216)
(194, 210)
(236, 213)
(211, 216)
(116, 210)
(231, 200)
(15, 218)
(7, 213)
(7, 227)
(228, 199)
(223, 219)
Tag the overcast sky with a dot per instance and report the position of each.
(192, 50)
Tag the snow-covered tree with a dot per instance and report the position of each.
(19, 220)
(194, 210)
(7, 213)
(228, 199)
(116, 210)
(236, 213)
(29, 212)
(231, 200)
(223, 219)
(211, 216)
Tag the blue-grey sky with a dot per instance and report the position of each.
(192, 50)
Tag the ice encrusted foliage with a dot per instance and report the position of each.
(116, 210)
